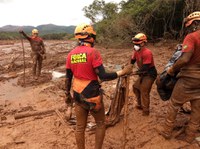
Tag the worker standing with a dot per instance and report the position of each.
(187, 87)
(38, 51)
(147, 72)
(84, 64)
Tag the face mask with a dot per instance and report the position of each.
(136, 47)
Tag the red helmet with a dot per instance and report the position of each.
(192, 17)
(139, 38)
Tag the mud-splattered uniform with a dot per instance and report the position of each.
(148, 73)
(81, 63)
(187, 88)
(38, 50)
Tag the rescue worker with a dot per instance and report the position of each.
(38, 51)
(84, 64)
(147, 72)
(187, 87)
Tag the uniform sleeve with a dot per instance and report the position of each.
(96, 59)
(188, 44)
(27, 37)
(147, 57)
(133, 56)
(68, 62)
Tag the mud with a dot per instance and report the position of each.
(22, 93)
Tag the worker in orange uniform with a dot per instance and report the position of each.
(38, 51)
(187, 87)
(84, 64)
(147, 72)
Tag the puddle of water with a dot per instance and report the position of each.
(56, 75)
(10, 90)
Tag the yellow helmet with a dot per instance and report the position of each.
(192, 17)
(83, 31)
(35, 31)
(139, 38)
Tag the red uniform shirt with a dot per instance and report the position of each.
(144, 56)
(82, 61)
(191, 43)
(36, 39)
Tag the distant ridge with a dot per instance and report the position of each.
(43, 29)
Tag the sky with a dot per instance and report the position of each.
(38, 12)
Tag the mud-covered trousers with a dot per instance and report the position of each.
(186, 89)
(81, 116)
(142, 88)
(37, 64)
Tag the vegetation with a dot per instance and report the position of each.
(9, 36)
(53, 36)
(58, 36)
(118, 23)
(48, 31)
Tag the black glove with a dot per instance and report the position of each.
(68, 99)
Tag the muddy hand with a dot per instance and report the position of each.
(68, 113)
(69, 102)
(125, 71)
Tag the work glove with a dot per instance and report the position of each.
(68, 98)
(125, 71)
(170, 71)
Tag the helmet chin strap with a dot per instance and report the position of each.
(86, 43)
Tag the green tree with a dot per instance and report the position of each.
(156, 18)
(99, 10)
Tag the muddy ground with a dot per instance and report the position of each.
(48, 129)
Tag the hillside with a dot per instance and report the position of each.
(44, 29)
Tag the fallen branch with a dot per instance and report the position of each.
(29, 114)
(60, 116)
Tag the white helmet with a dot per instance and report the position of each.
(192, 17)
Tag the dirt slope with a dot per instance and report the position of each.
(47, 131)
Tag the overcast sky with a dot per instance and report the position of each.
(37, 12)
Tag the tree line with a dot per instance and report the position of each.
(118, 23)
(53, 36)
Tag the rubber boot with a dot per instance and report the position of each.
(190, 136)
(99, 135)
(166, 130)
(80, 140)
(39, 67)
(190, 132)
(137, 94)
(34, 70)
(145, 112)
(34, 65)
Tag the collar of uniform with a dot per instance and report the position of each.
(83, 43)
